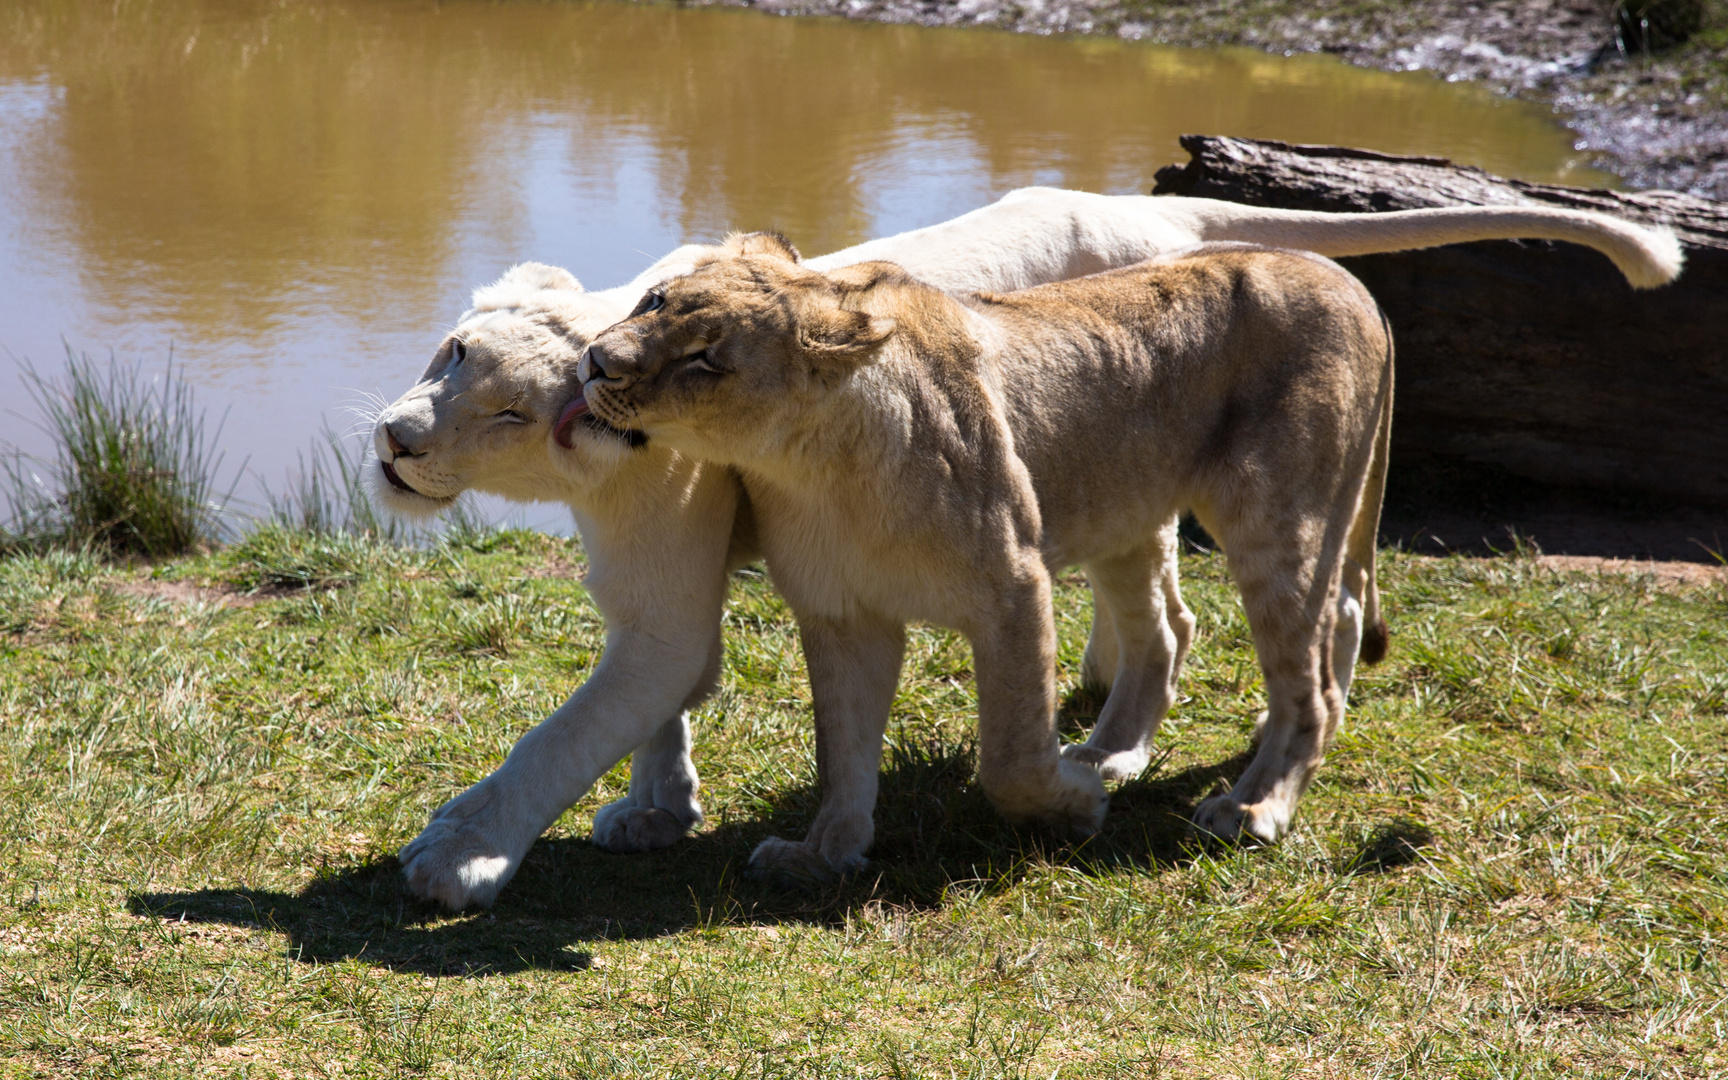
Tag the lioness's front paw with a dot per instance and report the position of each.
(1223, 818)
(1075, 802)
(1111, 764)
(469, 850)
(624, 828)
(795, 865)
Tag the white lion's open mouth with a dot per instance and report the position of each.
(396, 480)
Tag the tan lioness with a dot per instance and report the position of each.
(912, 456)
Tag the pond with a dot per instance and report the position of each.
(297, 197)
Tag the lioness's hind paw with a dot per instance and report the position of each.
(624, 828)
(1223, 818)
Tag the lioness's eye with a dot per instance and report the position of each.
(703, 361)
(650, 302)
(512, 416)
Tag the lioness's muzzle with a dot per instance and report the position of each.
(593, 364)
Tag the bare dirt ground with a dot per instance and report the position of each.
(1658, 120)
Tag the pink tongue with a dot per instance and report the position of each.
(561, 430)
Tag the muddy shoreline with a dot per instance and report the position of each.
(1658, 121)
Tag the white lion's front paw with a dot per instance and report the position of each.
(1223, 818)
(797, 865)
(467, 852)
(625, 828)
(1111, 765)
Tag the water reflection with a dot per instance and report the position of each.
(299, 193)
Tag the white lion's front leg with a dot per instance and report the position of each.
(661, 806)
(475, 842)
(472, 846)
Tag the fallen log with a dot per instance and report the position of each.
(1532, 356)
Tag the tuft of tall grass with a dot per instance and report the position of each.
(133, 472)
(326, 494)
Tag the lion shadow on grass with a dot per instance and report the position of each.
(937, 839)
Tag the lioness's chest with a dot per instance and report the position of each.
(837, 557)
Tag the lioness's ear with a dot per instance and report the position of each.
(760, 243)
(519, 282)
(841, 333)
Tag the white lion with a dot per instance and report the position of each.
(499, 410)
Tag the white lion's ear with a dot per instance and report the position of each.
(521, 281)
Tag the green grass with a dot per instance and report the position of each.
(1512, 866)
(133, 473)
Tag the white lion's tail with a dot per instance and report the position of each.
(1647, 256)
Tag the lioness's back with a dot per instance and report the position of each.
(1181, 366)
(1231, 287)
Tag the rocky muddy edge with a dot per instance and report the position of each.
(1659, 120)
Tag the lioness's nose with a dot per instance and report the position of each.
(593, 364)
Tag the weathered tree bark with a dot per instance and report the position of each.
(1530, 355)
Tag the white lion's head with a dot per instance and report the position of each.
(499, 409)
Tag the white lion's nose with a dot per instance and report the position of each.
(384, 444)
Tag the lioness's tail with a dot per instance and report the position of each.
(1648, 257)
(1365, 530)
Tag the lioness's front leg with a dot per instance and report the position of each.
(475, 842)
(1020, 764)
(854, 669)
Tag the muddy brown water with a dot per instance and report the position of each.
(298, 197)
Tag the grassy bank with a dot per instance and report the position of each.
(1512, 865)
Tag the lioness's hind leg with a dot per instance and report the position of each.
(1291, 597)
(1153, 631)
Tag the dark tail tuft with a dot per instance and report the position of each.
(1374, 641)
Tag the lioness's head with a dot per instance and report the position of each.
(497, 409)
(723, 355)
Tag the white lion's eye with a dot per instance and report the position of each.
(458, 351)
